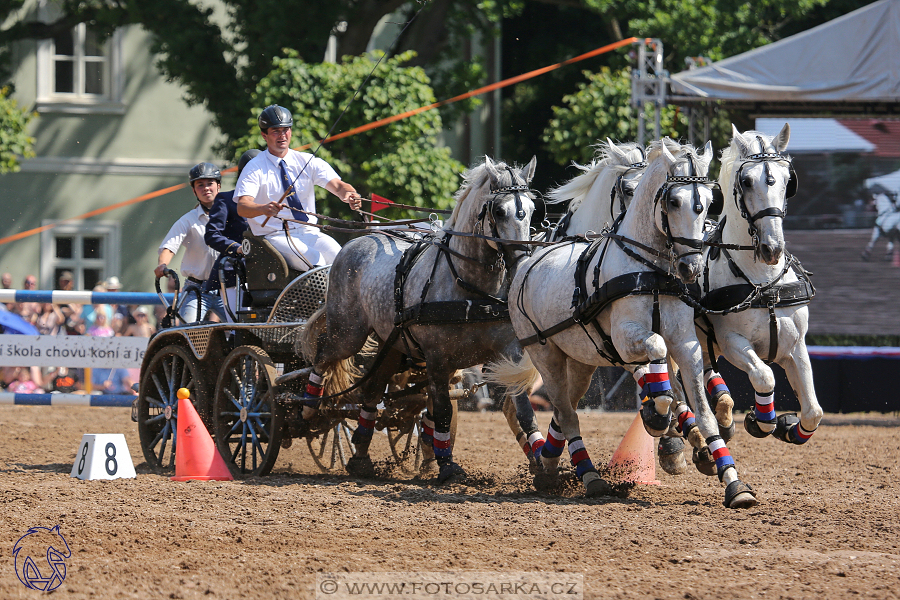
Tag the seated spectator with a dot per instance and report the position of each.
(50, 321)
(101, 327)
(27, 381)
(112, 381)
(88, 313)
(6, 281)
(29, 310)
(142, 326)
(72, 312)
(64, 380)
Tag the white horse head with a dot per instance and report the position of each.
(668, 209)
(615, 168)
(757, 178)
(494, 200)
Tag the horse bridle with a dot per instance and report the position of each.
(487, 210)
(772, 211)
(618, 190)
(697, 205)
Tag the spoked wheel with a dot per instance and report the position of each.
(332, 448)
(172, 367)
(405, 445)
(246, 418)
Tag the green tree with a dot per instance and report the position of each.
(221, 62)
(602, 108)
(14, 142)
(401, 161)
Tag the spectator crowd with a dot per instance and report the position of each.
(98, 320)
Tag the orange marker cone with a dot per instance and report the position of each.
(634, 460)
(196, 456)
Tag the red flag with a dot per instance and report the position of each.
(380, 202)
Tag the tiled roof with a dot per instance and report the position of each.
(885, 134)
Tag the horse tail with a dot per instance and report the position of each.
(339, 375)
(516, 376)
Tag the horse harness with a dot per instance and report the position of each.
(655, 282)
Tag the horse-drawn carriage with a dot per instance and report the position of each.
(232, 371)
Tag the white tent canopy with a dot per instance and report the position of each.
(851, 59)
(891, 181)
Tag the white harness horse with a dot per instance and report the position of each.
(887, 223)
(628, 309)
(759, 292)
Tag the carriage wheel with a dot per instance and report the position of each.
(405, 445)
(246, 418)
(172, 367)
(332, 447)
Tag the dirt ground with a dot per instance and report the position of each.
(827, 526)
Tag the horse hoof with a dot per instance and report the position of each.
(751, 425)
(429, 465)
(783, 427)
(704, 461)
(739, 495)
(360, 466)
(727, 432)
(594, 485)
(654, 423)
(671, 455)
(450, 472)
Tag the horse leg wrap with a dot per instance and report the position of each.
(761, 422)
(685, 418)
(315, 389)
(671, 455)
(734, 489)
(555, 443)
(443, 451)
(788, 429)
(722, 403)
(536, 442)
(427, 430)
(656, 388)
(365, 427)
(584, 468)
(715, 385)
(721, 455)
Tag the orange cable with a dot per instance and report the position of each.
(361, 129)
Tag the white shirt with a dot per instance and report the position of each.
(261, 179)
(188, 231)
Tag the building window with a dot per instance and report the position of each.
(89, 250)
(79, 71)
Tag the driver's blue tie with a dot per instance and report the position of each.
(292, 199)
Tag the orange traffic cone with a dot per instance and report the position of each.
(634, 460)
(196, 456)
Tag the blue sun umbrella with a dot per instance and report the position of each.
(12, 323)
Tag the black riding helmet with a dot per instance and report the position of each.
(205, 170)
(245, 158)
(275, 116)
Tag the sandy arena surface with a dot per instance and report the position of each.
(827, 526)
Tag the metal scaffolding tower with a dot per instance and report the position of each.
(648, 82)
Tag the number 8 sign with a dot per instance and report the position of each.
(103, 456)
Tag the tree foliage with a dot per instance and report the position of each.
(14, 142)
(401, 161)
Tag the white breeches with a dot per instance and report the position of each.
(316, 247)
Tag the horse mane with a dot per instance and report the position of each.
(681, 152)
(473, 180)
(604, 164)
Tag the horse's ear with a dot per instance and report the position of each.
(527, 172)
(783, 137)
(707, 155)
(614, 150)
(668, 158)
(492, 172)
(740, 141)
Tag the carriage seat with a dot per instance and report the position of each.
(267, 271)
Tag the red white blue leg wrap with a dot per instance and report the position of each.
(580, 459)
(798, 435)
(555, 443)
(720, 453)
(441, 445)
(653, 379)
(427, 430)
(536, 441)
(366, 423)
(765, 411)
(685, 417)
(715, 384)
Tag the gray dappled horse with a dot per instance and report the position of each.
(630, 310)
(441, 300)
